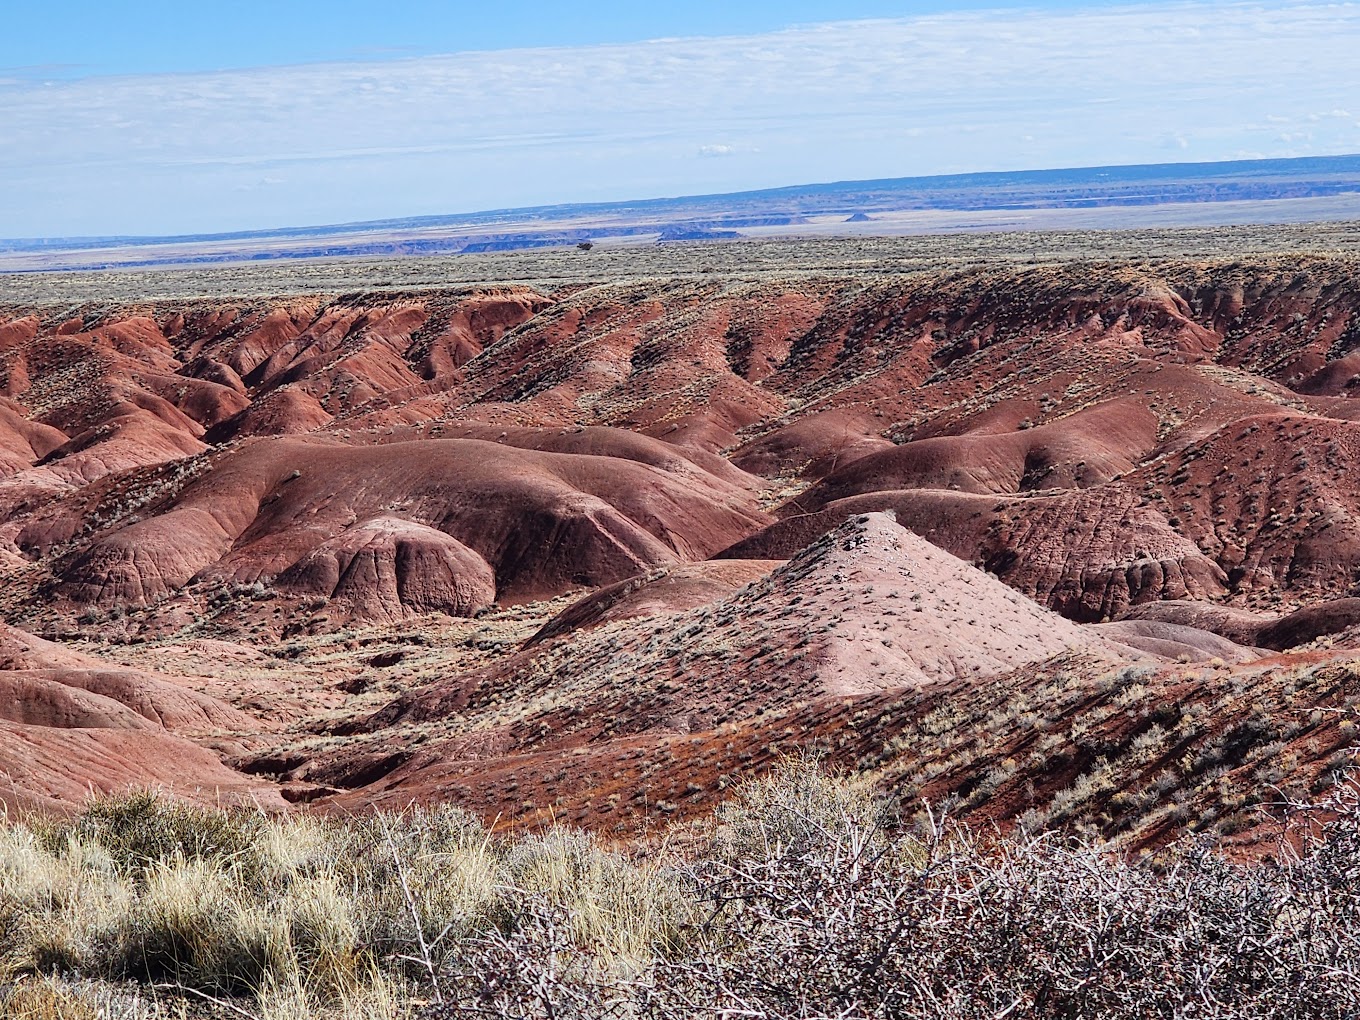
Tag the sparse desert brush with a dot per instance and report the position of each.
(796, 807)
(377, 998)
(423, 880)
(54, 906)
(943, 925)
(808, 897)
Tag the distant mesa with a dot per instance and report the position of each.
(683, 233)
(1053, 199)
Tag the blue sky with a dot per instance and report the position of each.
(68, 39)
(151, 118)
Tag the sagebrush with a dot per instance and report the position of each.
(808, 897)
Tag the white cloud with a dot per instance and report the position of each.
(936, 94)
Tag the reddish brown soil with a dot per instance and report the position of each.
(378, 499)
(71, 724)
(663, 590)
(866, 607)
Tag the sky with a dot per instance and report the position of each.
(161, 118)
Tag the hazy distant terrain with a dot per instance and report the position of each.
(750, 260)
(1315, 189)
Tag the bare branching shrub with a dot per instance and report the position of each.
(539, 969)
(845, 921)
(1031, 928)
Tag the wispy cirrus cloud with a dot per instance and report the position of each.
(933, 94)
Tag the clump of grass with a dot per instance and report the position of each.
(303, 914)
(45, 999)
(192, 923)
(796, 807)
(140, 830)
(616, 907)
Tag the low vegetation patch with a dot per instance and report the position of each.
(806, 898)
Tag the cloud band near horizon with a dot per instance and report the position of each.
(949, 93)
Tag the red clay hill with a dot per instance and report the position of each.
(597, 524)
(71, 724)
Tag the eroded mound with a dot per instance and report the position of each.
(388, 567)
(511, 523)
(1086, 449)
(1177, 641)
(664, 590)
(868, 607)
(1088, 554)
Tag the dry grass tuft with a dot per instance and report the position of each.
(45, 999)
(303, 916)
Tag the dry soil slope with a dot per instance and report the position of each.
(72, 725)
(868, 607)
(442, 524)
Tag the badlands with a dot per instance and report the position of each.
(1063, 528)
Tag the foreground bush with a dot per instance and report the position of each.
(300, 914)
(809, 909)
(802, 902)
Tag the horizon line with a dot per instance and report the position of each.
(432, 219)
